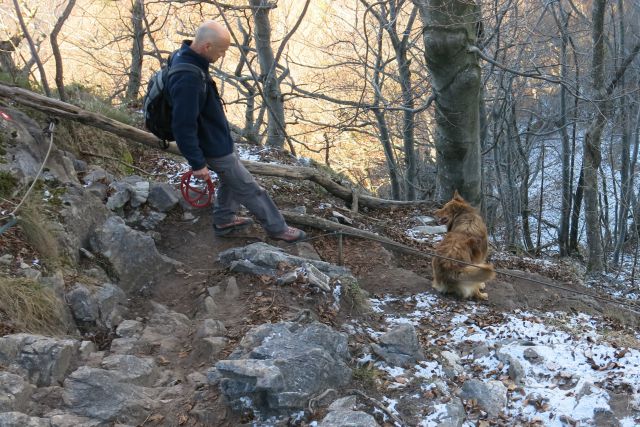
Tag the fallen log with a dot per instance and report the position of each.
(327, 225)
(64, 110)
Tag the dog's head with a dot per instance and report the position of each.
(454, 207)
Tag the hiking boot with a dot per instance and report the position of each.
(290, 235)
(237, 224)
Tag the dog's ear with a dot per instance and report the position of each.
(457, 196)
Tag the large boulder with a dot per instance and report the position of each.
(26, 145)
(43, 361)
(399, 346)
(99, 393)
(279, 367)
(163, 197)
(81, 213)
(132, 254)
(261, 258)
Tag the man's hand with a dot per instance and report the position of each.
(202, 174)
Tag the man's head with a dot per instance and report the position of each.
(211, 40)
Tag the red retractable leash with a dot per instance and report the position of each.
(196, 196)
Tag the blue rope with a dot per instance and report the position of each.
(13, 221)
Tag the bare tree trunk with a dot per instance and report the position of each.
(137, 51)
(34, 51)
(592, 145)
(575, 215)
(565, 207)
(450, 27)
(271, 84)
(53, 38)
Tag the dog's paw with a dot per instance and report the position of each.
(481, 286)
(482, 296)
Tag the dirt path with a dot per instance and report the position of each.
(380, 272)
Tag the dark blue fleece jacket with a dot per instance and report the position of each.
(199, 124)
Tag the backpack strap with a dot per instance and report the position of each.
(191, 68)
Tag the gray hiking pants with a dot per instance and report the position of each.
(237, 187)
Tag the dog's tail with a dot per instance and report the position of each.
(476, 273)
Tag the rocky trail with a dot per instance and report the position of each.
(167, 325)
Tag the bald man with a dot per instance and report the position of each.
(201, 130)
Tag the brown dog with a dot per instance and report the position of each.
(466, 240)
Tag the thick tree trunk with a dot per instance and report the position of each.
(449, 28)
(592, 145)
(53, 38)
(137, 50)
(268, 75)
(565, 206)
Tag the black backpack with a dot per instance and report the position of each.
(157, 105)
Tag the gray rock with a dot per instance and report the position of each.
(516, 371)
(96, 174)
(399, 346)
(14, 392)
(129, 328)
(210, 347)
(102, 305)
(532, 356)
(81, 213)
(43, 361)
(491, 396)
(25, 144)
(265, 259)
(139, 188)
(70, 420)
(83, 306)
(231, 290)
(98, 393)
(132, 189)
(119, 198)
(162, 196)
(288, 278)
(246, 266)
(125, 345)
(454, 414)
(281, 366)
(7, 259)
(117, 242)
(99, 190)
(79, 165)
(428, 229)
(210, 306)
(132, 369)
(348, 419)
(31, 273)
(306, 250)
(451, 364)
(86, 348)
(152, 219)
(165, 328)
(211, 328)
(347, 403)
(111, 302)
(18, 419)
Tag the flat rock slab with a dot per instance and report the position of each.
(266, 259)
